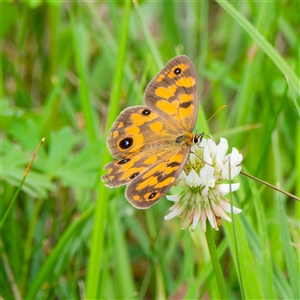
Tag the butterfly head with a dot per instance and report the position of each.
(189, 139)
(197, 138)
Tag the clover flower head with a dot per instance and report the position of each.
(204, 183)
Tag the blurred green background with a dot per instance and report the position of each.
(68, 69)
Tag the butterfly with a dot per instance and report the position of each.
(151, 143)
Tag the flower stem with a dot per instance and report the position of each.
(271, 186)
(215, 262)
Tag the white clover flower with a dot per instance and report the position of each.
(204, 186)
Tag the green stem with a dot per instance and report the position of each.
(215, 262)
(21, 184)
(93, 280)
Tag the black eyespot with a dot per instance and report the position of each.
(177, 71)
(152, 195)
(134, 175)
(123, 161)
(146, 112)
(126, 143)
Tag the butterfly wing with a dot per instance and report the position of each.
(173, 93)
(146, 189)
(138, 128)
(149, 174)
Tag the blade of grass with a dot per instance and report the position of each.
(293, 95)
(216, 263)
(46, 270)
(9, 273)
(141, 236)
(29, 243)
(149, 39)
(125, 280)
(234, 230)
(265, 266)
(244, 110)
(263, 43)
(106, 40)
(79, 38)
(97, 243)
(52, 101)
(251, 285)
(202, 61)
(158, 268)
(206, 273)
(288, 251)
(297, 158)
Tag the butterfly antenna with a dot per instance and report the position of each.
(223, 106)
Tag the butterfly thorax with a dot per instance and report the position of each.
(189, 139)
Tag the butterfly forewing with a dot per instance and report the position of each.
(173, 93)
(138, 128)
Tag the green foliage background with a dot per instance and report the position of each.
(68, 69)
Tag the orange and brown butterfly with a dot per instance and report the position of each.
(151, 143)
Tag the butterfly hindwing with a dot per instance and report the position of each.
(126, 169)
(149, 187)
